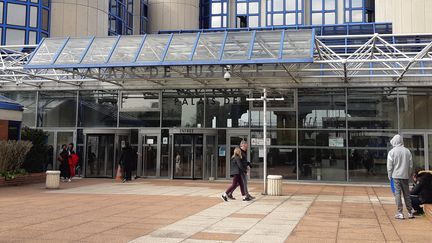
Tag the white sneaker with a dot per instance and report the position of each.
(69, 180)
(399, 216)
(411, 215)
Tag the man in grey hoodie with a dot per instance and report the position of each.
(399, 167)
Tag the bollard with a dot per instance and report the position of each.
(52, 179)
(274, 185)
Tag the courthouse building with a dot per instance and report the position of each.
(173, 78)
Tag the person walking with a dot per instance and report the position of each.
(73, 162)
(399, 167)
(236, 169)
(64, 164)
(127, 158)
(244, 147)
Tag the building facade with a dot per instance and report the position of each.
(325, 130)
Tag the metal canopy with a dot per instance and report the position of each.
(221, 48)
(338, 61)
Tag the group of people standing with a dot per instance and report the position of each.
(239, 168)
(68, 161)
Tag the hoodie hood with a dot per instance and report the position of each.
(396, 141)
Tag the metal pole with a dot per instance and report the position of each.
(265, 139)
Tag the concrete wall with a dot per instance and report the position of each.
(407, 16)
(173, 14)
(79, 18)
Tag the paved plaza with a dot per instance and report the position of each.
(98, 210)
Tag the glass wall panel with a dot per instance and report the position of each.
(322, 138)
(280, 161)
(222, 150)
(322, 164)
(182, 108)
(57, 109)
(372, 108)
(28, 100)
(415, 143)
(226, 108)
(140, 109)
(368, 154)
(277, 137)
(275, 119)
(97, 109)
(321, 108)
(415, 107)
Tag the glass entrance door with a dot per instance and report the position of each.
(100, 155)
(150, 154)
(188, 156)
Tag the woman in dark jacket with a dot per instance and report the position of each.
(236, 170)
(422, 191)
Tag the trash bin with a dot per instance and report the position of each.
(274, 185)
(52, 179)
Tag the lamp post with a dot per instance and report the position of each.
(264, 99)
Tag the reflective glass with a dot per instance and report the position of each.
(15, 14)
(317, 18)
(366, 164)
(57, 109)
(278, 5)
(322, 164)
(278, 19)
(1, 12)
(279, 119)
(140, 109)
(154, 47)
(290, 19)
(228, 108)
(98, 108)
(330, 4)
(99, 50)
(32, 37)
(15, 36)
(216, 8)
(297, 44)
(216, 21)
(181, 46)
(280, 161)
(415, 107)
(267, 44)
(126, 49)
(357, 3)
(73, 51)
(237, 45)
(28, 100)
(253, 21)
(208, 47)
(33, 16)
(317, 5)
(321, 108)
(47, 50)
(357, 16)
(241, 8)
(373, 109)
(277, 137)
(290, 5)
(415, 143)
(330, 18)
(182, 109)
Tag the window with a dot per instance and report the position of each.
(359, 11)
(143, 16)
(219, 14)
(120, 17)
(247, 13)
(24, 21)
(323, 12)
(284, 12)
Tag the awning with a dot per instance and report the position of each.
(8, 104)
(219, 48)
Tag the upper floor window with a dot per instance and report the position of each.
(143, 16)
(218, 13)
(120, 17)
(247, 13)
(284, 12)
(324, 12)
(359, 11)
(24, 21)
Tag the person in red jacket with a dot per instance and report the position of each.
(73, 162)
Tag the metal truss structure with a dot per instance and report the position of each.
(338, 61)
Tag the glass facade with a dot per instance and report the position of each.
(144, 16)
(323, 12)
(359, 11)
(120, 17)
(213, 14)
(24, 21)
(285, 12)
(320, 134)
(248, 13)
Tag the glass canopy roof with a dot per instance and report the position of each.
(217, 48)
